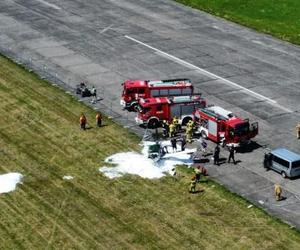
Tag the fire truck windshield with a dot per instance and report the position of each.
(241, 129)
(130, 91)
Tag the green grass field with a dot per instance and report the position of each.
(40, 137)
(280, 18)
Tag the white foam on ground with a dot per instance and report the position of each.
(139, 163)
(68, 177)
(8, 182)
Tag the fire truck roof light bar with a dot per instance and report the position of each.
(173, 82)
(211, 113)
(179, 99)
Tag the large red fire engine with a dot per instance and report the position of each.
(152, 111)
(135, 89)
(223, 126)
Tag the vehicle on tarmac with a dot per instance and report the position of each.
(152, 111)
(135, 89)
(222, 126)
(283, 161)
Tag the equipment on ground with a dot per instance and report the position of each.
(135, 89)
(222, 126)
(155, 151)
(152, 111)
(83, 90)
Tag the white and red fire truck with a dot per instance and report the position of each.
(152, 111)
(135, 89)
(222, 126)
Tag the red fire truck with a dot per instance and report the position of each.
(152, 111)
(135, 89)
(222, 126)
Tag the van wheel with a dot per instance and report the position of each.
(283, 174)
(185, 121)
(153, 123)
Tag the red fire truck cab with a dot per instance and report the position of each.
(152, 111)
(222, 126)
(135, 89)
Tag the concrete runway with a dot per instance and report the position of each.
(105, 42)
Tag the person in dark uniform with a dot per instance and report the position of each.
(183, 143)
(174, 144)
(217, 155)
(231, 154)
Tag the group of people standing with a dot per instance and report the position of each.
(170, 128)
(83, 120)
(216, 155)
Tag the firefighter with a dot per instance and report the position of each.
(99, 119)
(183, 143)
(231, 154)
(171, 130)
(176, 123)
(198, 173)
(202, 146)
(203, 171)
(190, 124)
(217, 155)
(189, 133)
(174, 144)
(165, 125)
(278, 192)
(83, 121)
(298, 130)
(193, 185)
(94, 94)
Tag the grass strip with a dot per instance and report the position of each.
(40, 137)
(280, 18)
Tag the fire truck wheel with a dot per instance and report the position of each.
(153, 123)
(283, 174)
(185, 121)
(203, 134)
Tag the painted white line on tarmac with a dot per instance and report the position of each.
(49, 4)
(105, 29)
(214, 76)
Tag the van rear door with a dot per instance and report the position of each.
(295, 169)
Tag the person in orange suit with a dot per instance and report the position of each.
(83, 121)
(99, 119)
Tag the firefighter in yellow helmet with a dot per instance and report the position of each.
(172, 130)
(278, 192)
(193, 185)
(298, 130)
(175, 121)
(189, 133)
(190, 124)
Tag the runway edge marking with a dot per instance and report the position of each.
(207, 73)
(49, 4)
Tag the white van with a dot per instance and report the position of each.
(283, 161)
